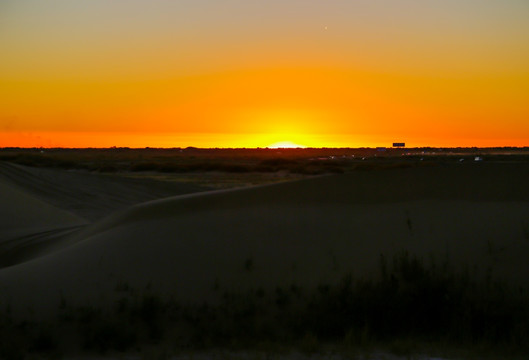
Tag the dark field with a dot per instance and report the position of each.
(412, 252)
(296, 161)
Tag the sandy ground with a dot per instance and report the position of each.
(90, 196)
(307, 232)
(42, 208)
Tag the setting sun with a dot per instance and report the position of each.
(285, 145)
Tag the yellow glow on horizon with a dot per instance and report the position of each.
(227, 140)
(171, 140)
(316, 107)
(285, 145)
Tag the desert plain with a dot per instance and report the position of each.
(157, 254)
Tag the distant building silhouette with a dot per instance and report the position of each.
(397, 144)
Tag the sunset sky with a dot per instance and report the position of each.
(244, 73)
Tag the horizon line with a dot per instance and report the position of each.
(260, 148)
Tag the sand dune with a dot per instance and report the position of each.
(42, 208)
(195, 247)
(22, 214)
(88, 195)
(30, 227)
(21, 248)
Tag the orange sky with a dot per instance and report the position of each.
(248, 74)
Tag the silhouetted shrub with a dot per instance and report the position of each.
(409, 303)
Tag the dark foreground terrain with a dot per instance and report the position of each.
(135, 252)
